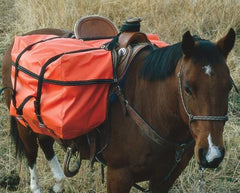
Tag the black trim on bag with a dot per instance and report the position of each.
(17, 64)
(97, 38)
(21, 106)
(64, 83)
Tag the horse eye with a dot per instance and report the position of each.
(188, 90)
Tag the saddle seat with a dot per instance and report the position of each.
(94, 27)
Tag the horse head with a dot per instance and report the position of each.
(204, 85)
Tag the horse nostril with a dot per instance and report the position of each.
(202, 157)
(215, 163)
(219, 160)
(201, 152)
(210, 159)
(222, 150)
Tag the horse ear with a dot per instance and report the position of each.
(188, 44)
(226, 43)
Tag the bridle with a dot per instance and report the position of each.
(151, 133)
(192, 117)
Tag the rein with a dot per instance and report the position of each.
(192, 117)
(145, 127)
(180, 148)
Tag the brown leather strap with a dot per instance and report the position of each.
(144, 126)
(121, 98)
(92, 146)
(127, 60)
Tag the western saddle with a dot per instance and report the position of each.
(98, 27)
(128, 43)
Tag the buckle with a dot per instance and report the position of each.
(19, 117)
(42, 125)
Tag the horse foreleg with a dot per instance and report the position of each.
(46, 144)
(118, 180)
(57, 174)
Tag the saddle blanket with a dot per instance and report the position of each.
(61, 85)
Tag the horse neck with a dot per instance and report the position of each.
(157, 102)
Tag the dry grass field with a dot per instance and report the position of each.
(209, 19)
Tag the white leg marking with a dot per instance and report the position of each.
(208, 70)
(57, 174)
(213, 151)
(34, 184)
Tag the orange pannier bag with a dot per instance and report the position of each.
(61, 85)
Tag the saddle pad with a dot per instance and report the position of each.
(61, 84)
(154, 39)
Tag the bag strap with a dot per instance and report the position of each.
(17, 65)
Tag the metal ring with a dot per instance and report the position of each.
(122, 52)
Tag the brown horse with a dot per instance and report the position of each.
(173, 96)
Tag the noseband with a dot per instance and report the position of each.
(192, 117)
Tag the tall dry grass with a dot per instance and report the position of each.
(210, 19)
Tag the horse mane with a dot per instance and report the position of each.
(161, 62)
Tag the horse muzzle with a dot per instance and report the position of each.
(211, 158)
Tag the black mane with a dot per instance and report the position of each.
(161, 62)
